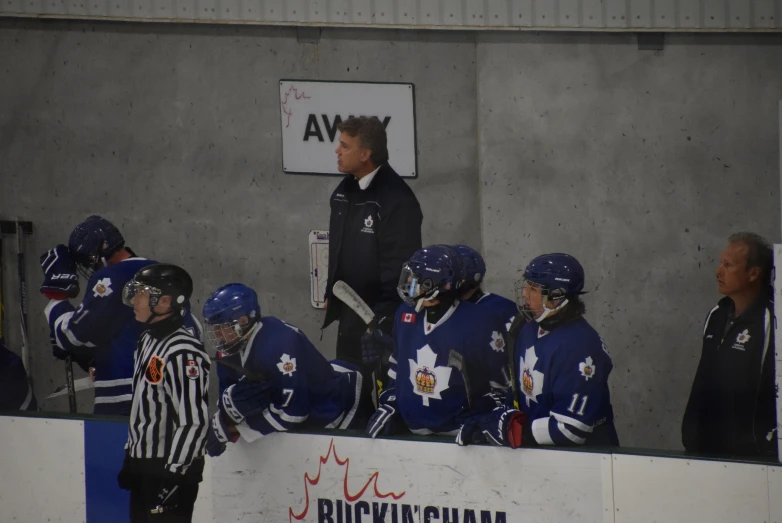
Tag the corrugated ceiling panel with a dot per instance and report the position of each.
(627, 15)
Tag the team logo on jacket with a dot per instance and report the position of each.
(368, 223)
(287, 365)
(154, 372)
(531, 379)
(497, 342)
(408, 317)
(102, 288)
(192, 370)
(741, 339)
(587, 368)
(427, 378)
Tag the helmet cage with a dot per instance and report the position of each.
(229, 337)
(546, 292)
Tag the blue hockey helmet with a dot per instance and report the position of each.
(474, 266)
(230, 313)
(430, 272)
(559, 276)
(93, 242)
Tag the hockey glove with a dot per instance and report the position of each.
(245, 399)
(487, 403)
(375, 345)
(386, 420)
(126, 480)
(167, 498)
(219, 435)
(499, 427)
(60, 280)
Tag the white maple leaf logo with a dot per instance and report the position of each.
(497, 342)
(743, 337)
(102, 288)
(587, 368)
(531, 379)
(287, 365)
(427, 378)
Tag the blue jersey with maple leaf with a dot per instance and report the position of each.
(103, 333)
(501, 308)
(308, 390)
(502, 311)
(429, 394)
(563, 384)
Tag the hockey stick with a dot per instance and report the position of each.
(349, 297)
(513, 332)
(79, 385)
(23, 300)
(456, 361)
(250, 375)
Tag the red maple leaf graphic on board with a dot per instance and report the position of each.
(285, 109)
(348, 496)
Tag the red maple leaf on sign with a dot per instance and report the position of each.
(297, 96)
(348, 496)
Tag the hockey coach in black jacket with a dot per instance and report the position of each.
(731, 410)
(375, 226)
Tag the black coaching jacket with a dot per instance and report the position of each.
(732, 409)
(372, 232)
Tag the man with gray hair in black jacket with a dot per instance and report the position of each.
(375, 226)
(732, 409)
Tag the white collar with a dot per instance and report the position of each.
(133, 258)
(486, 295)
(364, 182)
(245, 352)
(429, 328)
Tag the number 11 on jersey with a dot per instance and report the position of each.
(572, 406)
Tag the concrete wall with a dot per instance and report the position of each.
(640, 164)
(173, 133)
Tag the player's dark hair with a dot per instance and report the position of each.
(371, 135)
(574, 309)
(759, 253)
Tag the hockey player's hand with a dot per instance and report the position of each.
(374, 345)
(167, 498)
(219, 435)
(60, 280)
(385, 421)
(501, 427)
(245, 399)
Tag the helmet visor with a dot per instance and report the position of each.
(134, 288)
(411, 288)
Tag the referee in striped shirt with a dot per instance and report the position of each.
(164, 457)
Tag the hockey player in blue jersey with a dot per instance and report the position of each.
(501, 309)
(560, 392)
(444, 357)
(475, 269)
(272, 379)
(102, 332)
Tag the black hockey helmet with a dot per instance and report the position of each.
(158, 280)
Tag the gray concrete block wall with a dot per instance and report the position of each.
(173, 132)
(640, 164)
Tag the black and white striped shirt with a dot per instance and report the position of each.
(169, 418)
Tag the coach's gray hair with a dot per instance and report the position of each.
(759, 252)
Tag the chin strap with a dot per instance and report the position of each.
(547, 312)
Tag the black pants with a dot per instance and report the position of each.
(143, 498)
(351, 328)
